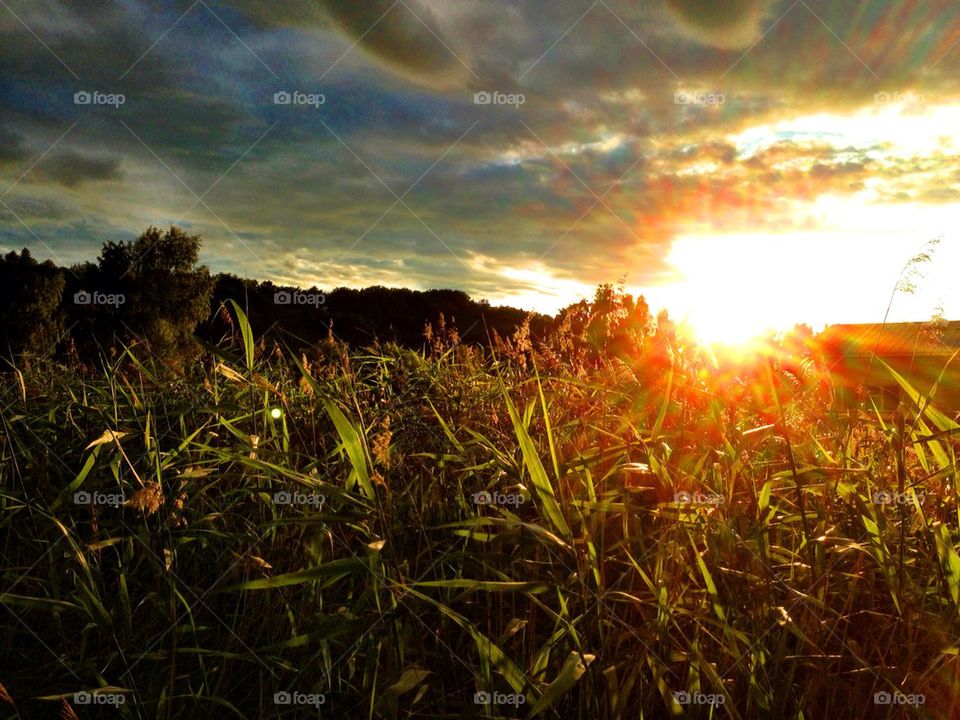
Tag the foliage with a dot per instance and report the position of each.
(594, 530)
(30, 296)
(166, 293)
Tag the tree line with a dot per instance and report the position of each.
(153, 290)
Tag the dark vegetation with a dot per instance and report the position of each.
(663, 525)
(169, 299)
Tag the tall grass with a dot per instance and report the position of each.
(594, 542)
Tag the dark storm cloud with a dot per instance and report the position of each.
(95, 41)
(601, 119)
(72, 169)
(721, 23)
(38, 208)
(405, 37)
(12, 146)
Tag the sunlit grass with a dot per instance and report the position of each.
(599, 541)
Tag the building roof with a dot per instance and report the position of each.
(930, 339)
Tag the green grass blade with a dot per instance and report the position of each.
(246, 333)
(328, 572)
(572, 670)
(354, 447)
(538, 476)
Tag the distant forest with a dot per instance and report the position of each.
(153, 291)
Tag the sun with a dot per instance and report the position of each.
(718, 328)
(732, 290)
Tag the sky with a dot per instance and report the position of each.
(745, 164)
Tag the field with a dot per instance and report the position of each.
(468, 532)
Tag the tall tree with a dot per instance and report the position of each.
(30, 296)
(163, 291)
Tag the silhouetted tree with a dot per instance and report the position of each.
(363, 317)
(162, 293)
(152, 289)
(30, 296)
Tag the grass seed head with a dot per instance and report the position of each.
(147, 500)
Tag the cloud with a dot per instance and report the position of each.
(11, 146)
(726, 24)
(72, 169)
(304, 188)
(405, 37)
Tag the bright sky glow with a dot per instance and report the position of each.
(904, 129)
(736, 287)
(733, 287)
